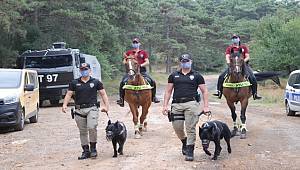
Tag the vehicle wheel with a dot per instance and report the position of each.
(288, 110)
(21, 122)
(54, 102)
(34, 119)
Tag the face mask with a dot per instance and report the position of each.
(235, 40)
(135, 45)
(84, 73)
(186, 65)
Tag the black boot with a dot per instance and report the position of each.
(254, 92)
(122, 94)
(183, 146)
(93, 150)
(190, 153)
(218, 93)
(86, 152)
(154, 98)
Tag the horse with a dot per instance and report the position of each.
(137, 93)
(236, 88)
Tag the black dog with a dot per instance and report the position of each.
(117, 133)
(214, 131)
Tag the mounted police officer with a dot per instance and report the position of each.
(185, 106)
(86, 108)
(235, 46)
(143, 59)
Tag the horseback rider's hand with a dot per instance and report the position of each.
(165, 110)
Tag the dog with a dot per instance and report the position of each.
(214, 131)
(117, 133)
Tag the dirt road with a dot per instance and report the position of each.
(273, 142)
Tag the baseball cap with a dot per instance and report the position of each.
(185, 58)
(84, 66)
(235, 36)
(136, 40)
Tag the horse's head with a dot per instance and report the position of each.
(132, 67)
(236, 62)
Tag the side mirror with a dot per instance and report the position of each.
(296, 86)
(29, 87)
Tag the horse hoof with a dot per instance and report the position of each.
(243, 134)
(235, 132)
(137, 135)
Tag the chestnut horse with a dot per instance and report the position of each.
(137, 93)
(236, 88)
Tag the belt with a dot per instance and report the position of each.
(183, 99)
(82, 106)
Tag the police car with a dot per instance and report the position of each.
(292, 93)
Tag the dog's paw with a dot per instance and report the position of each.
(114, 156)
(121, 153)
(229, 150)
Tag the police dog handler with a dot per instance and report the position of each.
(86, 108)
(185, 108)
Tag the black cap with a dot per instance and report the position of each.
(84, 66)
(185, 57)
(136, 40)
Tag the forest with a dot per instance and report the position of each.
(166, 28)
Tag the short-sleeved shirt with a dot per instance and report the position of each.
(140, 55)
(245, 49)
(185, 86)
(85, 93)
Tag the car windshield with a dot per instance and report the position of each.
(10, 79)
(48, 61)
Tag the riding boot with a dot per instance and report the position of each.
(93, 150)
(86, 152)
(154, 98)
(254, 91)
(122, 94)
(190, 153)
(183, 146)
(219, 87)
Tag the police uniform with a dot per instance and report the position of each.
(184, 106)
(86, 110)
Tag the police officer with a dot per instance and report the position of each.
(86, 108)
(185, 104)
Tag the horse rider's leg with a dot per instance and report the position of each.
(220, 83)
(244, 105)
(253, 81)
(191, 114)
(178, 125)
(122, 91)
(153, 84)
(233, 116)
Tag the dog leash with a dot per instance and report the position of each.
(208, 114)
(108, 116)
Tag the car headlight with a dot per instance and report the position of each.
(11, 99)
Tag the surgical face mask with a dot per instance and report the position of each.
(135, 45)
(84, 73)
(235, 40)
(186, 65)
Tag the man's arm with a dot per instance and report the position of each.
(66, 101)
(145, 63)
(167, 96)
(104, 97)
(247, 57)
(204, 92)
(227, 58)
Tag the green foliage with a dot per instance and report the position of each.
(167, 28)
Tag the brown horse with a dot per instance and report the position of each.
(137, 93)
(236, 89)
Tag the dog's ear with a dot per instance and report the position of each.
(109, 122)
(116, 124)
(210, 128)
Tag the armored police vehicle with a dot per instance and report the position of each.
(56, 67)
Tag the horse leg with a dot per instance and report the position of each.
(143, 117)
(233, 116)
(244, 105)
(135, 113)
